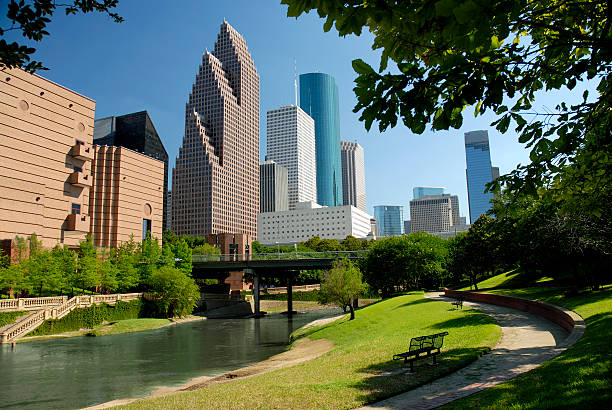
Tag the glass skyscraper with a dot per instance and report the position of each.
(420, 191)
(319, 99)
(478, 172)
(389, 219)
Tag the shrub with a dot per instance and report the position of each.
(172, 292)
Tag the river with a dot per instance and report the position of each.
(84, 371)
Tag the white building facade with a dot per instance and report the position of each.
(310, 219)
(291, 143)
(353, 175)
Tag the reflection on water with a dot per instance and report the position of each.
(83, 371)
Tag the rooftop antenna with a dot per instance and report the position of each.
(295, 80)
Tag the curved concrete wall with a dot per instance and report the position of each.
(555, 314)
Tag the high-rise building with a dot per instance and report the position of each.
(291, 143)
(353, 175)
(389, 219)
(407, 227)
(127, 198)
(169, 211)
(319, 99)
(273, 187)
(136, 132)
(215, 182)
(431, 213)
(309, 219)
(420, 191)
(478, 172)
(45, 160)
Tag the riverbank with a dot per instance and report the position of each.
(115, 327)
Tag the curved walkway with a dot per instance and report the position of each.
(526, 341)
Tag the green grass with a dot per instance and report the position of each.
(581, 377)
(6, 318)
(127, 326)
(360, 368)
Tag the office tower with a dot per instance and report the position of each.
(169, 211)
(420, 191)
(273, 187)
(431, 213)
(478, 172)
(291, 143)
(353, 175)
(319, 99)
(495, 173)
(389, 219)
(136, 132)
(407, 227)
(456, 218)
(215, 182)
(45, 160)
(309, 219)
(127, 198)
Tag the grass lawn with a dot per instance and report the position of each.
(581, 377)
(127, 326)
(360, 368)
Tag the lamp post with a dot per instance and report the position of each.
(278, 249)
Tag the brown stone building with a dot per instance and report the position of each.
(215, 183)
(45, 159)
(127, 196)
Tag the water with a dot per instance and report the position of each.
(84, 371)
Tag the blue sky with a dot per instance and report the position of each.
(149, 62)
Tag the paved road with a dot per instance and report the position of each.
(526, 341)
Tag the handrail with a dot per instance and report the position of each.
(243, 257)
(9, 305)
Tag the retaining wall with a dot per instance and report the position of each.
(547, 311)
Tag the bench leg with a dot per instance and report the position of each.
(412, 366)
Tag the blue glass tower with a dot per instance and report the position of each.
(420, 191)
(478, 172)
(389, 219)
(319, 99)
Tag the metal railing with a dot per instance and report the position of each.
(277, 256)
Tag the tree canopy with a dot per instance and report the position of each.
(31, 17)
(494, 55)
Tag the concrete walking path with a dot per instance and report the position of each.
(526, 341)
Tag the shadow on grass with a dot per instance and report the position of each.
(469, 318)
(414, 302)
(392, 377)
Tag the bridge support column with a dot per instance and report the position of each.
(255, 290)
(290, 294)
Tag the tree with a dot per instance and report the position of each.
(126, 260)
(350, 243)
(86, 275)
(43, 271)
(182, 253)
(341, 285)
(493, 55)
(172, 292)
(149, 254)
(30, 18)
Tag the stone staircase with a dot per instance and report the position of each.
(50, 308)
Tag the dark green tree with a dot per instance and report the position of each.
(342, 285)
(172, 292)
(30, 18)
(496, 55)
(86, 275)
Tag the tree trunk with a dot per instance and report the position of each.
(350, 305)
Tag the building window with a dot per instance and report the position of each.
(76, 209)
(146, 228)
(77, 169)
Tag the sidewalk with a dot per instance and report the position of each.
(526, 341)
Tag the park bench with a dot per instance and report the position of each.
(422, 347)
(458, 303)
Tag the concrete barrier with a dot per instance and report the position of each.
(561, 316)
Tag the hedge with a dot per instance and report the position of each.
(92, 316)
(6, 318)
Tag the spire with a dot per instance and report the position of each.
(295, 80)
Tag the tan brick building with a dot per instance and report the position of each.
(215, 183)
(126, 196)
(45, 159)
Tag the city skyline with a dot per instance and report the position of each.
(120, 78)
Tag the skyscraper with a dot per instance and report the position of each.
(478, 172)
(136, 132)
(291, 143)
(273, 187)
(431, 213)
(353, 175)
(419, 191)
(215, 183)
(389, 219)
(319, 99)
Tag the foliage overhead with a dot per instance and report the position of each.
(494, 55)
(31, 17)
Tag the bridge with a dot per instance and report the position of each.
(269, 264)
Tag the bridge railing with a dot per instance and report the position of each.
(276, 256)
